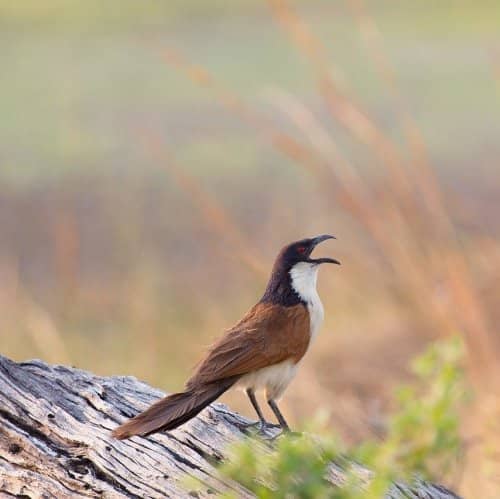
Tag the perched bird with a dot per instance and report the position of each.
(262, 351)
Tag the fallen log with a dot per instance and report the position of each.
(55, 441)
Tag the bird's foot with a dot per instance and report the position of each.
(261, 426)
(262, 429)
(266, 430)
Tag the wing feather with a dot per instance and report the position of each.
(267, 334)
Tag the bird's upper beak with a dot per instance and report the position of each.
(315, 242)
(320, 239)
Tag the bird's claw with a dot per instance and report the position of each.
(261, 429)
(261, 426)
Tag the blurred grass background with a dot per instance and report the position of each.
(142, 204)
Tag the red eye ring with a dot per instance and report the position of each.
(301, 249)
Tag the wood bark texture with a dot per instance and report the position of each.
(55, 442)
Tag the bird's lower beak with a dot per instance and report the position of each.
(320, 239)
(318, 261)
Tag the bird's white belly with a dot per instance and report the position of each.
(274, 379)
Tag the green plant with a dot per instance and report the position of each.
(422, 440)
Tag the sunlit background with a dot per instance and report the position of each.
(154, 157)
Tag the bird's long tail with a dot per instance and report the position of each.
(173, 410)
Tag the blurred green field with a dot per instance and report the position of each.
(116, 260)
(79, 81)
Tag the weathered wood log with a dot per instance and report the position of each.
(55, 441)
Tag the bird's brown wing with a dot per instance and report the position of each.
(266, 335)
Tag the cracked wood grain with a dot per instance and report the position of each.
(55, 441)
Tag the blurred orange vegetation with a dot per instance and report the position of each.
(409, 275)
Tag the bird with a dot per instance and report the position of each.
(261, 352)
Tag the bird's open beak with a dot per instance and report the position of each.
(315, 242)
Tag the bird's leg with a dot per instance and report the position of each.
(262, 423)
(279, 416)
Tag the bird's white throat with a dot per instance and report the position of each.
(304, 277)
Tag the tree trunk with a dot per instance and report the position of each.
(55, 441)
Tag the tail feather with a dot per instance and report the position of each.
(173, 410)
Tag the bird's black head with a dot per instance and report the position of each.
(300, 251)
(280, 288)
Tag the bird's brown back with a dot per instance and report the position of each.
(267, 334)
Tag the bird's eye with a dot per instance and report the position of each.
(301, 249)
